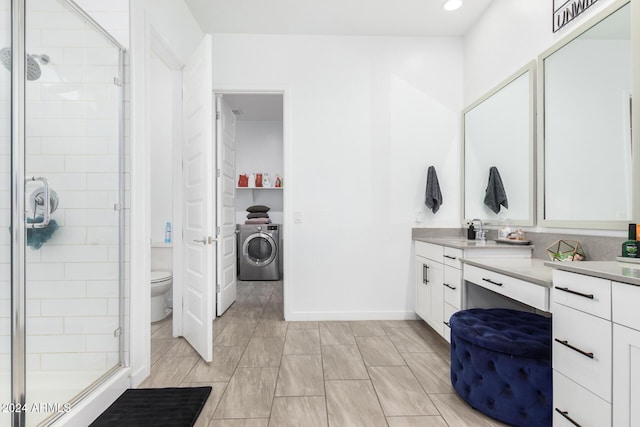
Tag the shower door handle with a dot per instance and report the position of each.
(47, 203)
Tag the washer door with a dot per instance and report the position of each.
(259, 249)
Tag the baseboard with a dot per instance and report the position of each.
(93, 405)
(140, 375)
(351, 315)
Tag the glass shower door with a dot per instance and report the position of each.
(5, 216)
(72, 197)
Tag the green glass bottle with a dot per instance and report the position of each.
(630, 247)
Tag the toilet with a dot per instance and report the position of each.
(160, 284)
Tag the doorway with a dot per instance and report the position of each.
(165, 183)
(259, 196)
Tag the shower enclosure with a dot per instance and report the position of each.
(62, 208)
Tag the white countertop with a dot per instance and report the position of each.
(460, 243)
(533, 270)
(611, 270)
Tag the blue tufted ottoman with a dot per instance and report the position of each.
(501, 364)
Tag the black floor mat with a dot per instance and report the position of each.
(158, 407)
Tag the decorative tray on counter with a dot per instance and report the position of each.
(627, 259)
(513, 241)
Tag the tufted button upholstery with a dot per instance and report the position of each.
(501, 364)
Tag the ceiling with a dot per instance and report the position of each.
(336, 17)
(255, 107)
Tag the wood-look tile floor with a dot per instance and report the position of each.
(268, 372)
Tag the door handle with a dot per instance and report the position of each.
(205, 240)
(47, 203)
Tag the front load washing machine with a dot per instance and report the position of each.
(259, 251)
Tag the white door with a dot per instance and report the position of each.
(226, 215)
(198, 296)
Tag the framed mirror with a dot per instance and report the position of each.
(499, 132)
(586, 141)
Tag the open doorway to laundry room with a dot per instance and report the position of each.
(258, 204)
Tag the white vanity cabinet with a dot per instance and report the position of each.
(596, 348)
(429, 286)
(626, 354)
(582, 356)
(439, 276)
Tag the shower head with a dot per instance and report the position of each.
(33, 69)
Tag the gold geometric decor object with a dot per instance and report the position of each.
(566, 250)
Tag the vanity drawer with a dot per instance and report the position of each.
(585, 293)
(448, 312)
(582, 349)
(579, 404)
(525, 292)
(429, 250)
(626, 300)
(452, 287)
(452, 257)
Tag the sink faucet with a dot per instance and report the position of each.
(481, 234)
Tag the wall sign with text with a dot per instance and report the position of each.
(565, 11)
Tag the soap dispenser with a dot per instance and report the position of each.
(471, 232)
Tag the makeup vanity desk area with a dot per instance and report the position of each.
(446, 266)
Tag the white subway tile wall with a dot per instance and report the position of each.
(73, 299)
(72, 125)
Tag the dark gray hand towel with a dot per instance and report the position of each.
(495, 194)
(432, 195)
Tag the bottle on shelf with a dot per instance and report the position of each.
(167, 232)
(278, 182)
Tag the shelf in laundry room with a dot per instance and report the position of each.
(258, 188)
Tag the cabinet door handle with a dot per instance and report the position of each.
(590, 296)
(492, 282)
(582, 352)
(450, 257)
(449, 286)
(566, 415)
(425, 274)
(447, 323)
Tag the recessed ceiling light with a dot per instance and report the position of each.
(450, 5)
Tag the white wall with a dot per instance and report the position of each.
(161, 104)
(172, 20)
(112, 15)
(509, 35)
(364, 118)
(258, 150)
